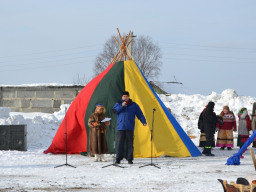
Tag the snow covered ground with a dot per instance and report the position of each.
(34, 171)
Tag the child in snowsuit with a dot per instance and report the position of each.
(225, 131)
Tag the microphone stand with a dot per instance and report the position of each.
(152, 164)
(66, 164)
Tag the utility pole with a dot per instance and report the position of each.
(131, 38)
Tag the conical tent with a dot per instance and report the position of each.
(168, 136)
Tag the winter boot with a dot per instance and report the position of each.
(222, 148)
(102, 158)
(204, 151)
(210, 154)
(208, 151)
(96, 157)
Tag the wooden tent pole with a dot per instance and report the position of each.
(118, 42)
(123, 53)
(116, 55)
(120, 35)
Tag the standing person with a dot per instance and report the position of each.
(126, 111)
(253, 126)
(97, 137)
(225, 130)
(244, 126)
(209, 123)
(202, 139)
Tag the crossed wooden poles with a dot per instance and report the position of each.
(123, 53)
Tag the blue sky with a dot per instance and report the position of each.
(207, 45)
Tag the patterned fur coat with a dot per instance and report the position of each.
(97, 136)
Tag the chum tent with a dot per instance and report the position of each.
(168, 136)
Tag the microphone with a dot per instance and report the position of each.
(124, 104)
(154, 109)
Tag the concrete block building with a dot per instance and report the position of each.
(37, 98)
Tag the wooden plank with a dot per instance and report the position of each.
(253, 158)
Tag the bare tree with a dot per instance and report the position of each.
(146, 54)
(77, 80)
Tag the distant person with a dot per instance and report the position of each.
(126, 111)
(244, 126)
(97, 137)
(253, 125)
(202, 139)
(225, 130)
(209, 123)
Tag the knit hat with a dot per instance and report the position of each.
(125, 93)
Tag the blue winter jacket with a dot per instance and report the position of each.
(126, 115)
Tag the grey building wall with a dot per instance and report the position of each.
(46, 99)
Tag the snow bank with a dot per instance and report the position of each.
(185, 108)
(41, 127)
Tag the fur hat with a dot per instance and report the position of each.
(226, 107)
(100, 107)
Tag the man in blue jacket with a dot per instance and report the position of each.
(126, 111)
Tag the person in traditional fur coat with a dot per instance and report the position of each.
(244, 126)
(225, 130)
(209, 122)
(97, 136)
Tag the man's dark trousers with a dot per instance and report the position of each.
(124, 136)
